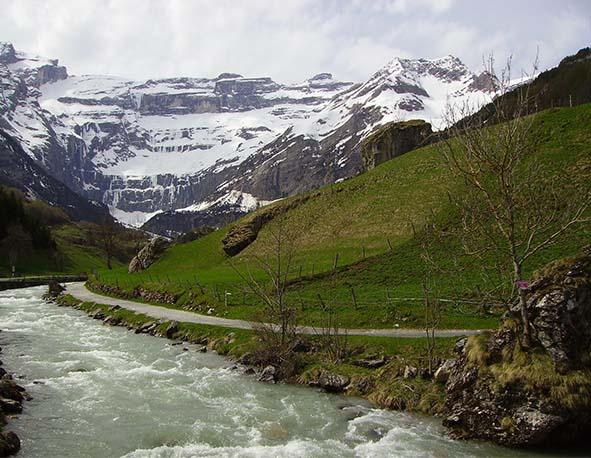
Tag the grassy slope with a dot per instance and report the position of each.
(79, 255)
(357, 217)
(74, 255)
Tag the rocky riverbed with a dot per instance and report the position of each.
(12, 397)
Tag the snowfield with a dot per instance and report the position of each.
(134, 143)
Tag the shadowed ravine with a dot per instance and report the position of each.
(101, 391)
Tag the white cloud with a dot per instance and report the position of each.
(289, 40)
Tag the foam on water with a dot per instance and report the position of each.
(101, 391)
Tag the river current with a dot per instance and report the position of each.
(101, 391)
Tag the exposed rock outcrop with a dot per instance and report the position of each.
(519, 397)
(559, 305)
(442, 373)
(393, 140)
(246, 232)
(20, 171)
(148, 254)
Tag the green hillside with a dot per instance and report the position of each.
(365, 224)
(40, 239)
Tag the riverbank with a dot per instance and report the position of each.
(493, 388)
(86, 292)
(27, 282)
(12, 397)
(105, 391)
(389, 372)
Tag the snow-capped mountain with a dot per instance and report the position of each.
(202, 146)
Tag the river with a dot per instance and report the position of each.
(101, 391)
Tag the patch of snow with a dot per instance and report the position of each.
(133, 218)
(244, 201)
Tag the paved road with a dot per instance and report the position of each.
(79, 291)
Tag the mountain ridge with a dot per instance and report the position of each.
(146, 147)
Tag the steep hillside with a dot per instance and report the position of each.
(189, 145)
(566, 85)
(41, 236)
(364, 225)
(37, 238)
(19, 171)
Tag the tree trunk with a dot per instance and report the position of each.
(523, 306)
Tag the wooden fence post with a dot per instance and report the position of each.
(390, 304)
(302, 304)
(354, 297)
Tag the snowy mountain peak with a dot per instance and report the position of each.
(448, 68)
(449, 60)
(209, 144)
(36, 70)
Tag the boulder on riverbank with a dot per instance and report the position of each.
(54, 289)
(11, 403)
(10, 444)
(518, 397)
(330, 382)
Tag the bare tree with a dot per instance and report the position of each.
(274, 258)
(107, 236)
(432, 309)
(17, 243)
(332, 339)
(428, 238)
(509, 200)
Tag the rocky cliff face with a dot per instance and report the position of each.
(538, 396)
(177, 144)
(392, 140)
(19, 171)
(149, 253)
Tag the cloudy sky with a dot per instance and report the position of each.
(289, 40)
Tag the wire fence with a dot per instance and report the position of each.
(235, 294)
